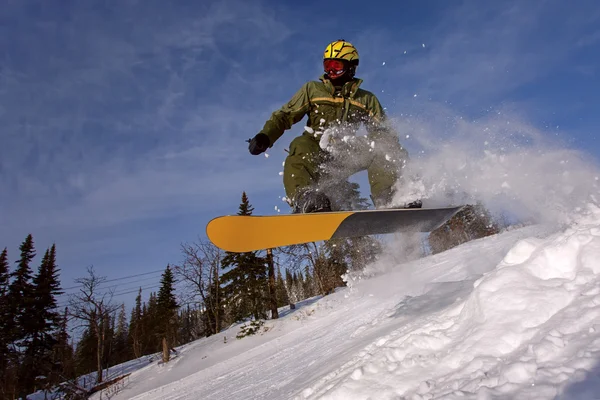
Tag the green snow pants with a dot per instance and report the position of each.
(307, 165)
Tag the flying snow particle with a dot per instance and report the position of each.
(407, 136)
(404, 51)
(387, 157)
(383, 63)
(281, 173)
(266, 155)
(415, 95)
(423, 45)
(309, 129)
(373, 144)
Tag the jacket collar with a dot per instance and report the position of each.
(348, 90)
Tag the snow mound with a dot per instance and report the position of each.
(520, 333)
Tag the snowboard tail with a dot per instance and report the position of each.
(239, 233)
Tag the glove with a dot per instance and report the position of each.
(259, 144)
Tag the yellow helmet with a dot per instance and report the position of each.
(341, 50)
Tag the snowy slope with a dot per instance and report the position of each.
(513, 316)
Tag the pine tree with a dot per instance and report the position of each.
(191, 326)
(63, 353)
(46, 289)
(135, 327)
(309, 286)
(272, 285)
(150, 321)
(121, 350)
(297, 288)
(245, 279)
(86, 351)
(6, 334)
(4, 273)
(167, 310)
(21, 293)
(20, 309)
(282, 295)
(4, 304)
(213, 312)
(44, 320)
(333, 263)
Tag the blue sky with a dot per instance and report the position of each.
(124, 122)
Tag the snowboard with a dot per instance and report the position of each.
(240, 233)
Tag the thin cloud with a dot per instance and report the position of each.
(477, 54)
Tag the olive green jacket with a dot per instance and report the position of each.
(350, 106)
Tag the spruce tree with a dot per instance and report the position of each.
(121, 350)
(46, 289)
(4, 282)
(86, 351)
(167, 312)
(21, 293)
(309, 286)
(63, 354)
(150, 322)
(20, 311)
(282, 296)
(245, 280)
(43, 320)
(5, 323)
(4, 273)
(135, 327)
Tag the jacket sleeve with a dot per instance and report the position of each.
(288, 115)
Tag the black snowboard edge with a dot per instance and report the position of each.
(390, 220)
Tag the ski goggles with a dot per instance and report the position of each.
(334, 68)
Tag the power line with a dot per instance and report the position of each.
(118, 279)
(128, 291)
(109, 287)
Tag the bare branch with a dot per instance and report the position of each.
(91, 306)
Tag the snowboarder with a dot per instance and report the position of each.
(335, 102)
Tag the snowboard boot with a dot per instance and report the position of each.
(384, 201)
(310, 201)
(414, 204)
